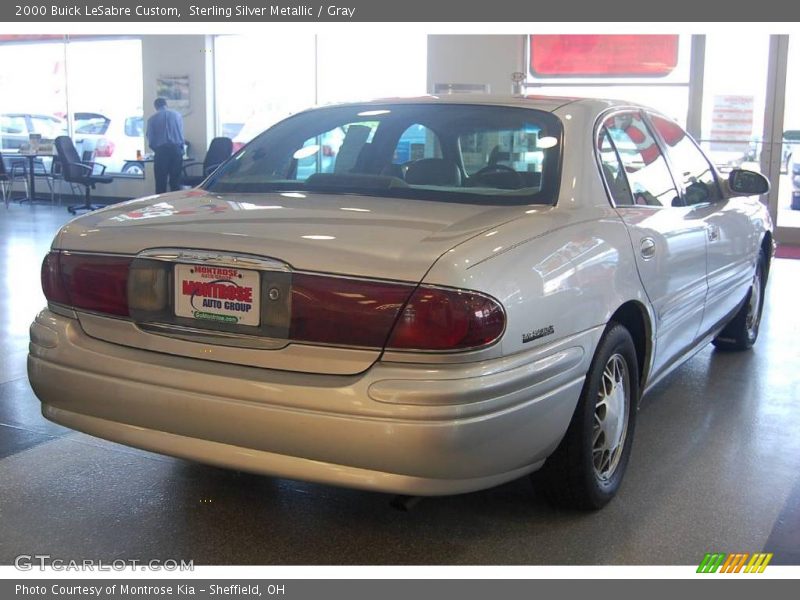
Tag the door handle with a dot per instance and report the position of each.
(648, 248)
(713, 233)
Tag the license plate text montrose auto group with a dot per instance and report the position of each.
(221, 294)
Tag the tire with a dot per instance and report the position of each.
(135, 168)
(742, 332)
(583, 473)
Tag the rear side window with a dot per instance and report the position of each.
(613, 171)
(645, 168)
(690, 166)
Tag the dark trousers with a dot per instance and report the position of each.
(167, 164)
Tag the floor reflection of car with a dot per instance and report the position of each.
(114, 142)
(16, 128)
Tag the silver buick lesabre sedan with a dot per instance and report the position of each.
(426, 296)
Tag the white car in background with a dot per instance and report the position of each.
(16, 129)
(493, 307)
(114, 142)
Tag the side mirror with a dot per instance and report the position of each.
(747, 183)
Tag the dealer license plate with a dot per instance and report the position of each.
(223, 295)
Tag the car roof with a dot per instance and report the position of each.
(539, 102)
(35, 115)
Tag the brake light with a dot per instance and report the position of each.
(352, 312)
(324, 309)
(96, 283)
(447, 319)
(237, 146)
(105, 148)
(52, 282)
(339, 311)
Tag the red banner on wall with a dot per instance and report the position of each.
(603, 55)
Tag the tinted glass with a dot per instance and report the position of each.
(464, 153)
(646, 169)
(613, 171)
(690, 166)
(417, 142)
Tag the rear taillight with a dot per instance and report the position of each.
(352, 312)
(52, 281)
(339, 311)
(443, 319)
(325, 309)
(95, 283)
(105, 148)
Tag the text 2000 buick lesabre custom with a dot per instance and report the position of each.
(425, 296)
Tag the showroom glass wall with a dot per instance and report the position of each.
(98, 82)
(789, 183)
(295, 71)
(728, 92)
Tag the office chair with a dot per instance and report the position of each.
(75, 171)
(219, 150)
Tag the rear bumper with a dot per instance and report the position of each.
(410, 429)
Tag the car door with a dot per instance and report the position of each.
(731, 240)
(669, 241)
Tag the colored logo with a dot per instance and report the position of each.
(734, 563)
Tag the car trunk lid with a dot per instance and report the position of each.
(285, 234)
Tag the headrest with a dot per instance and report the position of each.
(433, 171)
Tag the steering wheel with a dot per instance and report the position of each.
(488, 170)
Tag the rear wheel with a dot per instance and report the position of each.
(742, 332)
(587, 468)
(135, 168)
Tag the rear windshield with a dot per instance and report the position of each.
(460, 153)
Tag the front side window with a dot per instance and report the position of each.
(465, 153)
(692, 169)
(646, 170)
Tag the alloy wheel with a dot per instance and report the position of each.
(610, 417)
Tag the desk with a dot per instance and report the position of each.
(31, 175)
(135, 166)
